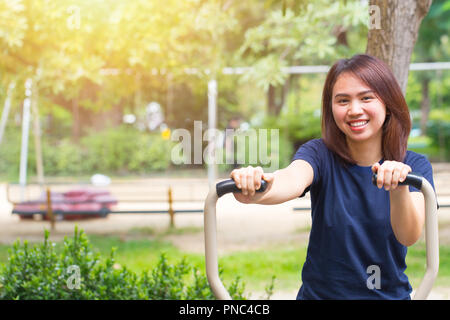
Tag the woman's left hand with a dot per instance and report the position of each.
(390, 173)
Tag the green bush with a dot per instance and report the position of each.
(10, 153)
(44, 272)
(438, 129)
(124, 149)
(64, 157)
(118, 150)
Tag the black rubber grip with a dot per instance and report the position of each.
(412, 179)
(229, 185)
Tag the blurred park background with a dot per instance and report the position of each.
(111, 79)
(107, 83)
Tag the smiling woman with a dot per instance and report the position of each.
(359, 114)
(359, 233)
(364, 89)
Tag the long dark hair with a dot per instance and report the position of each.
(378, 76)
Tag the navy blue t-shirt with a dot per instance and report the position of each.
(351, 236)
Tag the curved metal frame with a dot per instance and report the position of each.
(212, 265)
(431, 239)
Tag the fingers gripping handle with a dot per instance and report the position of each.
(229, 185)
(412, 179)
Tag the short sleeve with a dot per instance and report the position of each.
(420, 164)
(312, 152)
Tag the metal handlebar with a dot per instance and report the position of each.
(431, 231)
(227, 186)
(212, 267)
(412, 179)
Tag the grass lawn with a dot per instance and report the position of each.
(256, 268)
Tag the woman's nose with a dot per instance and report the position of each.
(354, 108)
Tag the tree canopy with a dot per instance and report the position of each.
(102, 58)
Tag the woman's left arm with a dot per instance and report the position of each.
(407, 208)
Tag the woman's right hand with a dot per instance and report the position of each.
(249, 180)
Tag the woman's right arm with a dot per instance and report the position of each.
(283, 185)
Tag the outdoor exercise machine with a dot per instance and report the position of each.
(413, 179)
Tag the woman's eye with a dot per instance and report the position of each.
(367, 98)
(342, 101)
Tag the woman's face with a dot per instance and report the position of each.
(357, 111)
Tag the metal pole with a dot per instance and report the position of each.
(212, 123)
(25, 134)
(211, 260)
(431, 240)
(171, 212)
(37, 137)
(50, 214)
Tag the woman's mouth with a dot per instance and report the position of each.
(358, 125)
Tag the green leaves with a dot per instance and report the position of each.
(291, 37)
(111, 151)
(12, 23)
(266, 71)
(43, 272)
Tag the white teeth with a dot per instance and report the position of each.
(358, 124)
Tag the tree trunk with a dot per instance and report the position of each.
(393, 31)
(275, 99)
(101, 120)
(341, 36)
(294, 86)
(425, 105)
